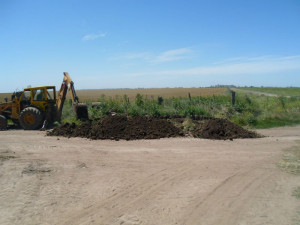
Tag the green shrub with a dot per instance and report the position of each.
(160, 100)
(134, 111)
(139, 100)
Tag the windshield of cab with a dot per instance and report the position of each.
(50, 94)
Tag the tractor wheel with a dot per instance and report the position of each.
(31, 118)
(3, 123)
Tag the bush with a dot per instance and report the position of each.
(194, 111)
(160, 100)
(139, 100)
(134, 111)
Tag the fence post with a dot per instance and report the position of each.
(190, 96)
(232, 97)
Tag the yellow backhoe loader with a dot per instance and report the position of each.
(36, 107)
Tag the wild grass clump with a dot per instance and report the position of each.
(296, 192)
(249, 110)
(291, 161)
(265, 112)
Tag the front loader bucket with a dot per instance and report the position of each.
(81, 111)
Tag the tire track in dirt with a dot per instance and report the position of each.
(114, 206)
(225, 203)
(32, 173)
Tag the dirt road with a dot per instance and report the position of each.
(50, 180)
(256, 92)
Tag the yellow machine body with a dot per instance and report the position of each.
(39, 105)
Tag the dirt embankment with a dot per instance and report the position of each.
(144, 127)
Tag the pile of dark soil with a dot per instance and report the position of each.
(144, 127)
(120, 127)
(221, 129)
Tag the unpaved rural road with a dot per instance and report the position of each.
(50, 180)
(256, 92)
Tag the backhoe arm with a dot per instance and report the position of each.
(80, 110)
(70, 84)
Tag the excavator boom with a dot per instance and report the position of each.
(80, 109)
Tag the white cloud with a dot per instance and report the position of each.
(238, 66)
(167, 56)
(172, 55)
(90, 37)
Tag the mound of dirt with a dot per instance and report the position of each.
(120, 127)
(221, 129)
(144, 127)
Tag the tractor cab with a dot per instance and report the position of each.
(39, 97)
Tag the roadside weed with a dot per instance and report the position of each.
(291, 161)
(296, 192)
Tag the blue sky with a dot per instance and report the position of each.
(154, 43)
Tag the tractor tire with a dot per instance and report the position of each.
(3, 123)
(31, 118)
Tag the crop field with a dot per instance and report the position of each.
(3, 95)
(94, 95)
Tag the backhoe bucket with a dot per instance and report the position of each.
(81, 111)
